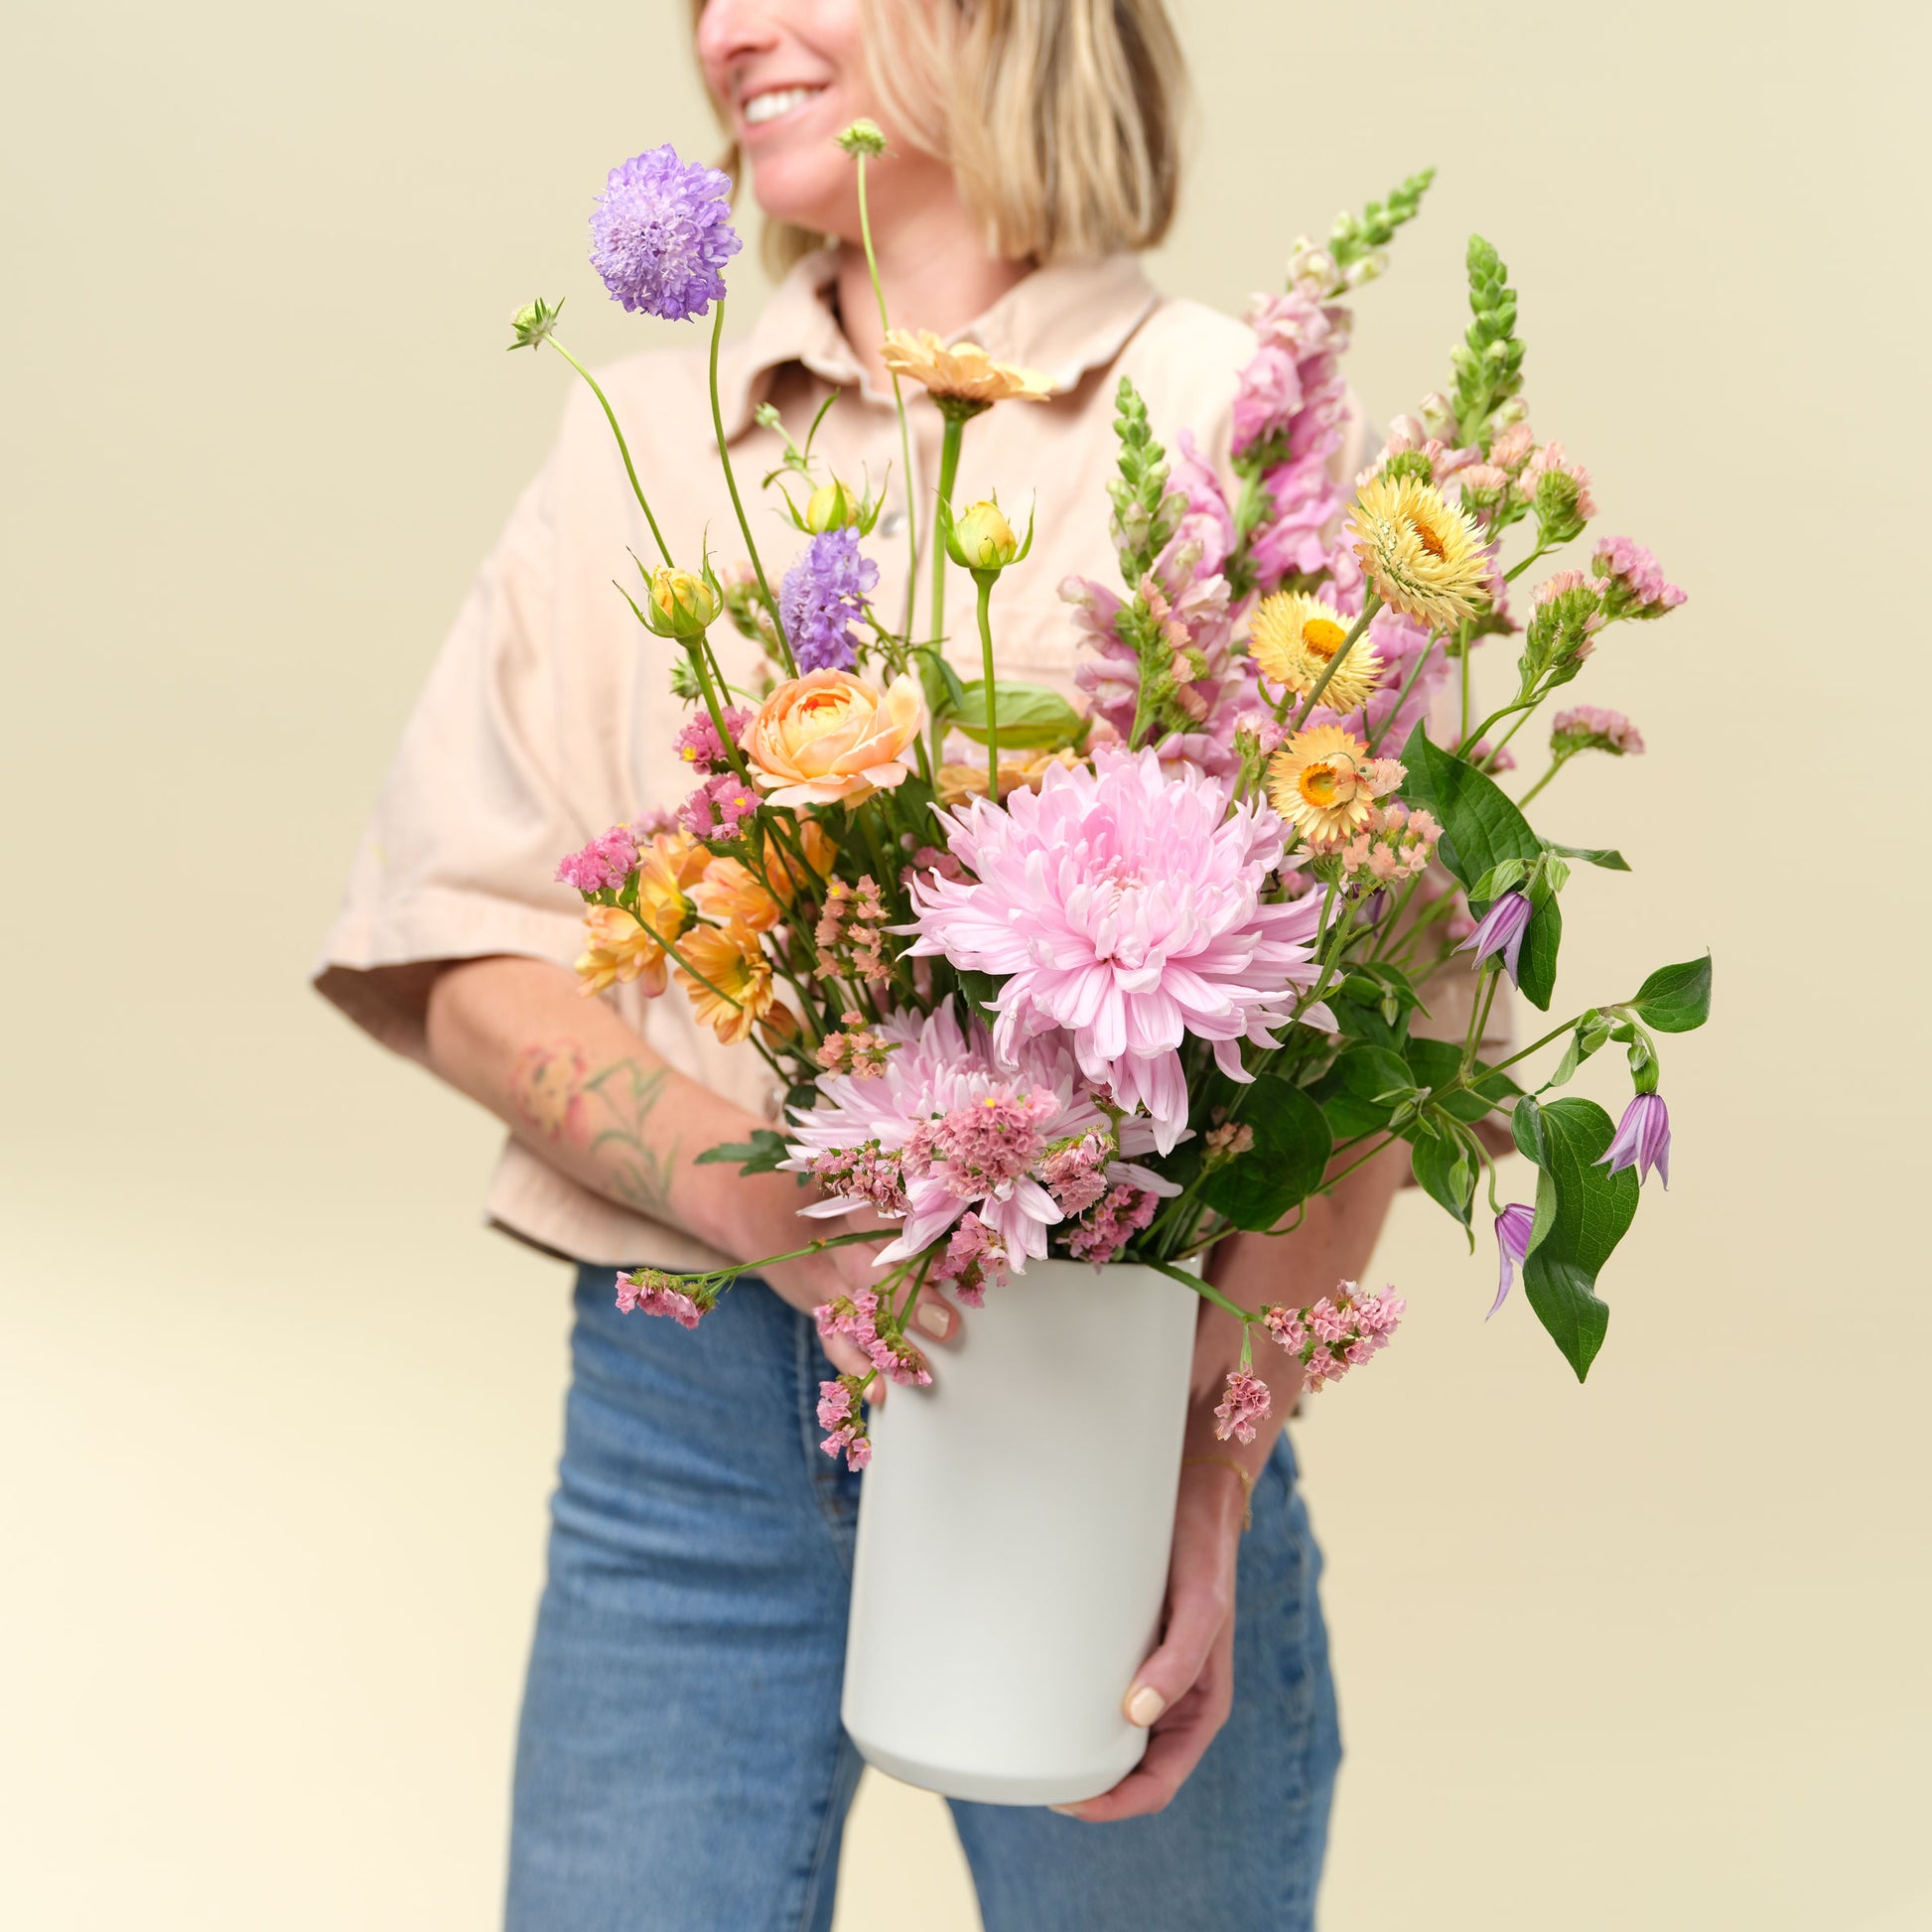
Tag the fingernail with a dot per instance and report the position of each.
(1065, 1811)
(1144, 1705)
(934, 1317)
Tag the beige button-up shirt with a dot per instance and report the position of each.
(549, 715)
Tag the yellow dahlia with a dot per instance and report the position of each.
(1424, 558)
(1319, 781)
(963, 373)
(739, 992)
(1294, 638)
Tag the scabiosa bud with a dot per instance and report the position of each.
(1500, 930)
(1643, 1139)
(863, 137)
(660, 232)
(1513, 1226)
(533, 324)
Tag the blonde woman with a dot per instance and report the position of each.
(682, 1763)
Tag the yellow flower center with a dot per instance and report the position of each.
(1318, 785)
(1322, 637)
(1428, 538)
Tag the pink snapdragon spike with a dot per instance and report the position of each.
(947, 1127)
(1513, 1226)
(1245, 1404)
(1643, 1139)
(1122, 906)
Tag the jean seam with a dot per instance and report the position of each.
(831, 1824)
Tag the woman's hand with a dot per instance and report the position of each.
(1186, 1689)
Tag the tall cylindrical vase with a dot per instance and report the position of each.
(1014, 1533)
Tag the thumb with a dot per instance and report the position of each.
(1197, 1608)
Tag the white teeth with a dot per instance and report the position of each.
(768, 107)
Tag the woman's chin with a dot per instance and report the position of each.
(799, 188)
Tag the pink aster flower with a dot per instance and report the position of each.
(603, 865)
(648, 1290)
(963, 1130)
(1245, 1404)
(1123, 906)
(718, 807)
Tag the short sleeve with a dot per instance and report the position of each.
(459, 859)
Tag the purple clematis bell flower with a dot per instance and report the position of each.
(1513, 1226)
(1501, 931)
(1642, 1137)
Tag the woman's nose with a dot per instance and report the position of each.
(728, 30)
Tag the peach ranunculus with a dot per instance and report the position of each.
(829, 738)
(621, 949)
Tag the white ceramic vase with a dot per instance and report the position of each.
(1014, 1533)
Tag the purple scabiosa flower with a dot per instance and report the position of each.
(1642, 1137)
(822, 591)
(660, 234)
(1500, 930)
(1513, 1226)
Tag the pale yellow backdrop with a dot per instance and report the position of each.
(278, 1416)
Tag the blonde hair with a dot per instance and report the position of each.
(1062, 119)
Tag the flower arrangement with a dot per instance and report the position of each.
(1114, 981)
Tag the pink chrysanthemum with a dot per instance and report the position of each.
(956, 1129)
(1123, 906)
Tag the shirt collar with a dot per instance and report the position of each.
(1062, 319)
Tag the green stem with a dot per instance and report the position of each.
(984, 580)
(1556, 765)
(1369, 608)
(1463, 726)
(899, 406)
(738, 505)
(1203, 1287)
(950, 439)
(671, 952)
(1402, 697)
(624, 448)
(1511, 733)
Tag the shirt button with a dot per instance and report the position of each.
(892, 523)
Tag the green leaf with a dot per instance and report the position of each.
(1481, 828)
(1444, 1172)
(979, 989)
(1590, 855)
(1347, 1091)
(1537, 980)
(1435, 1063)
(762, 1153)
(1031, 717)
(948, 677)
(1283, 1167)
(1583, 1211)
(1676, 999)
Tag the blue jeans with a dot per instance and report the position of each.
(681, 1766)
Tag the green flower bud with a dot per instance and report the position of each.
(831, 507)
(532, 324)
(863, 137)
(681, 605)
(982, 538)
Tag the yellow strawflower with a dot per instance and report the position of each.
(1294, 638)
(1424, 558)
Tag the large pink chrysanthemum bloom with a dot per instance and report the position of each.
(960, 1130)
(1123, 904)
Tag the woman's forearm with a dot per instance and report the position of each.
(586, 1094)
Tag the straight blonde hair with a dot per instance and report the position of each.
(1062, 119)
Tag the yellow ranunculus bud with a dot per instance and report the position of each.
(682, 604)
(984, 539)
(831, 507)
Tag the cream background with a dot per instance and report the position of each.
(277, 1416)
